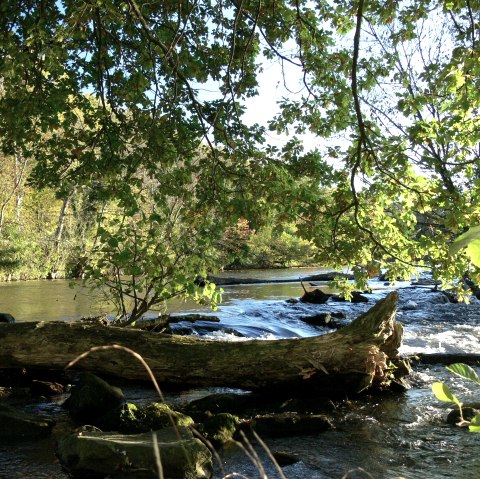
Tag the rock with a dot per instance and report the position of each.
(409, 306)
(291, 424)
(93, 398)
(285, 458)
(45, 388)
(218, 403)
(321, 319)
(17, 425)
(468, 413)
(357, 297)
(129, 419)
(6, 318)
(99, 454)
(159, 415)
(317, 296)
(220, 428)
(292, 300)
(124, 419)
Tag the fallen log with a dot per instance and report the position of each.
(362, 355)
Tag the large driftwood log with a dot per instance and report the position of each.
(360, 356)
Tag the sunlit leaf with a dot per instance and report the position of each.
(465, 371)
(475, 424)
(463, 240)
(473, 252)
(442, 393)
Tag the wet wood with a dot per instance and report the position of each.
(363, 355)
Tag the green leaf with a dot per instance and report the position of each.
(475, 424)
(464, 240)
(465, 371)
(473, 252)
(442, 393)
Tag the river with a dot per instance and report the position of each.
(390, 436)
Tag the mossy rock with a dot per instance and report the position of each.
(220, 428)
(130, 419)
(97, 454)
(157, 415)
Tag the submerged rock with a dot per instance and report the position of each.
(285, 458)
(100, 454)
(291, 424)
(16, 425)
(219, 403)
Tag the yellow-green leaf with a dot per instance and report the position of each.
(442, 393)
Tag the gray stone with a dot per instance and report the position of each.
(16, 425)
(92, 398)
(100, 454)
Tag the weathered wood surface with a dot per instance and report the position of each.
(357, 357)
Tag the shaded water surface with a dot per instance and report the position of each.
(401, 435)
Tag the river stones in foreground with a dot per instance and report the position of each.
(15, 425)
(99, 454)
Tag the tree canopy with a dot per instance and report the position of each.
(138, 106)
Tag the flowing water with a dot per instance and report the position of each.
(390, 436)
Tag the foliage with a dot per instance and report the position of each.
(442, 391)
(101, 98)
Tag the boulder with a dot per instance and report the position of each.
(17, 425)
(100, 454)
(316, 296)
(6, 318)
(291, 424)
(92, 398)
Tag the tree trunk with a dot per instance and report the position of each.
(363, 355)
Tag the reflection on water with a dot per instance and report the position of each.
(45, 300)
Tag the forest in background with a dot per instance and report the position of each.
(46, 236)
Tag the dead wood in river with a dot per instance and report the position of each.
(363, 355)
